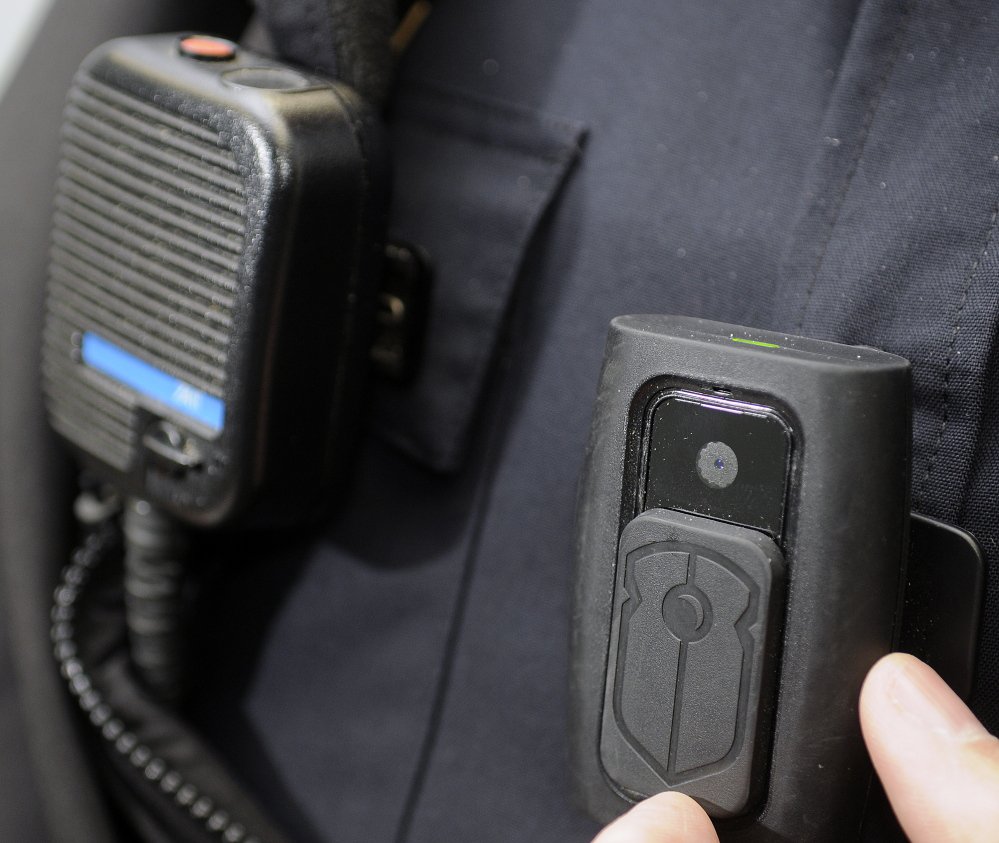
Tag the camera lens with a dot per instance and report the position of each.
(718, 465)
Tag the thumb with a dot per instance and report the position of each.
(666, 818)
(938, 764)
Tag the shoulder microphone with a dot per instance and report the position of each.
(215, 271)
(215, 254)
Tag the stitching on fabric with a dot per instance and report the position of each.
(858, 157)
(565, 149)
(511, 110)
(564, 153)
(450, 95)
(951, 352)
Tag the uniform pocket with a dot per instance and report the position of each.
(473, 179)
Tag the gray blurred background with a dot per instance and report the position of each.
(19, 20)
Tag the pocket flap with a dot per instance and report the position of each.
(473, 179)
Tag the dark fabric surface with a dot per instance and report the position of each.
(681, 201)
(401, 674)
(20, 810)
(898, 251)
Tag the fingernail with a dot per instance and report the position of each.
(920, 694)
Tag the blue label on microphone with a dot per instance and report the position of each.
(151, 382)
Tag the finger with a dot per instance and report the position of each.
(666, 818)
(939, 765)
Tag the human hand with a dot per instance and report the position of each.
(938, 764)
(664, 818)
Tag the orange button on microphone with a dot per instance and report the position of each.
(207, 48)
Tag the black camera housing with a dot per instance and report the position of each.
(215, 262)
(718, 648)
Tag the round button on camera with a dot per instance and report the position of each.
(687, 613)
(207, 48)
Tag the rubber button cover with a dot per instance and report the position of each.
(691, 668)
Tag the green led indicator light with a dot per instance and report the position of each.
(755, 342)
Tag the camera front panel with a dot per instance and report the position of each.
(710, 454)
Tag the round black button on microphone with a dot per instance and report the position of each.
(268, 78)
